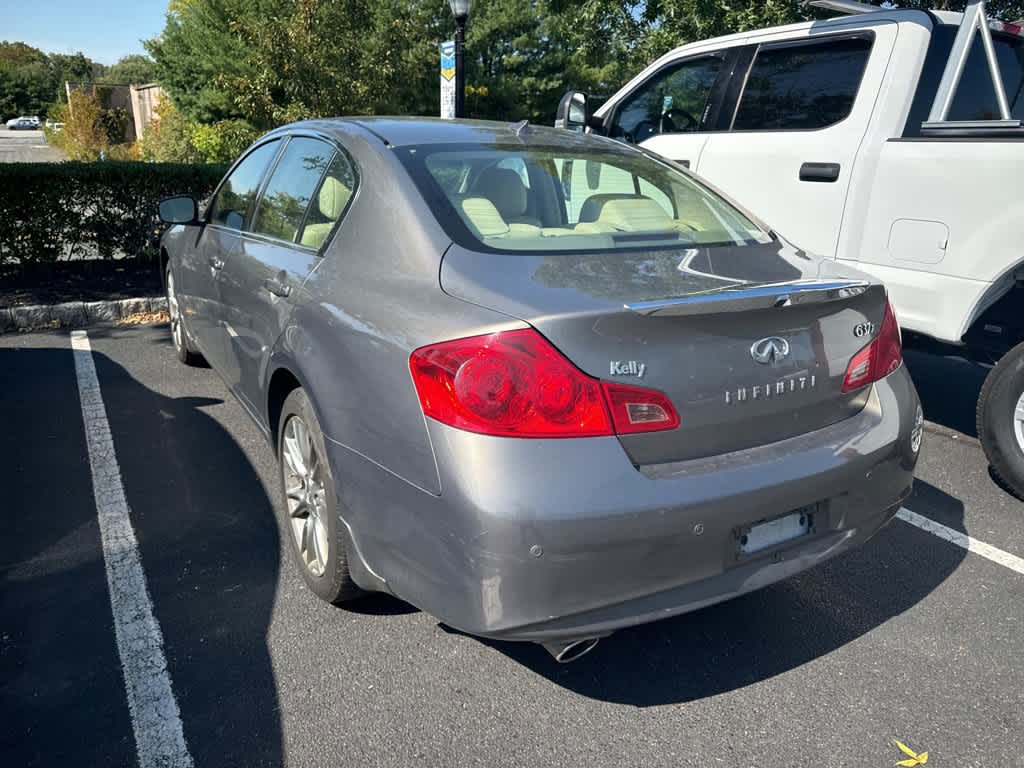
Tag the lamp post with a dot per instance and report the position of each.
(460, 10)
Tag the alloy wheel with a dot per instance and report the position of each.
(177, 332)
(1018, 422)
(306, 495)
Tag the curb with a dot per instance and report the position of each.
(78, 314)
(952, 434)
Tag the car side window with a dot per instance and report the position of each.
(237, 195)
(802, 87)
(332, 198)
(674, 100)
(282, 208)
(976, 95)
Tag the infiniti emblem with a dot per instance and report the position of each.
(769, 350)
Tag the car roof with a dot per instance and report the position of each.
(417, 131)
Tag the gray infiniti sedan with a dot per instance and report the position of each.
(540, 385)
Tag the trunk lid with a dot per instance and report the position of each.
(709, 327)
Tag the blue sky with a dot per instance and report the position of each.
(104, 30)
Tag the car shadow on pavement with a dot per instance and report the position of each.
(208, 543)
(768, 632)
(211, 549)
(948, 388)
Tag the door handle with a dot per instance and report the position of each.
(216, 263)
(826, 172)
(277, 287)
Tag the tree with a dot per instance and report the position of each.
(84, 136)
(74, 68)
(26, 81)
(200, 51)
(134, 69)
(273, 61)
(168, 139)
(31, 82)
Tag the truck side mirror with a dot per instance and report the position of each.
(572, 112)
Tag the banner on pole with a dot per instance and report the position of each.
(448, 80)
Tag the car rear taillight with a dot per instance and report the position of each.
(879, 358)
(636, 409)
(516, 384)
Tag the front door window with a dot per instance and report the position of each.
(674, 100)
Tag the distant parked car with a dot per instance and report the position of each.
(22, 124)
(541, 385)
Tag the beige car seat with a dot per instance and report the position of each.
(331, 201)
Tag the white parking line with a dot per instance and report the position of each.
(156, 720)
(969, 543)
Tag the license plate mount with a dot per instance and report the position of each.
(780, 530)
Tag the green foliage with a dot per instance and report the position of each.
(223, 141)
(199, 51)
(84, 136)
(73, 68)
(91, 132)
(273, 61)
(31, 81)
(169, 139)
(173, 138)
(51, 211)
(26, 84)
(135, 69)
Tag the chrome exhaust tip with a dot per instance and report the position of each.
(564, 653)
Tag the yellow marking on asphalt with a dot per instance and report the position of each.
(913, 758)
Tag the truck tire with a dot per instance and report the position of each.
(1001, 420)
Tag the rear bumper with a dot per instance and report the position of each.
(549, 539)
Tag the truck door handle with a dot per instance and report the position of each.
(827, 172)
(277, 287)
(216, 263)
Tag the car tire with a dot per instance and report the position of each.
(1001, 420)
(310, 506)
(183, 348)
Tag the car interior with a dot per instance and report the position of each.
(523, 202)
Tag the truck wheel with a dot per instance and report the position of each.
(1001, 420)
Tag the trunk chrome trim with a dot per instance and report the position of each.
(764, 296)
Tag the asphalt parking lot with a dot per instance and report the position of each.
(910, 638)
(26, 147)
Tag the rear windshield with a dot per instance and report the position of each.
(537, 199)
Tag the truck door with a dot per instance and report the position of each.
(797, 126)
(671, 110)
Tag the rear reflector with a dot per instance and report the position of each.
(516, 384)
(879, 358)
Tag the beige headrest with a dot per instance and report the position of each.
(634, 215)
(504, 188)
(483, 217)
(333, 198)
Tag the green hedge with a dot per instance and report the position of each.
(56, 211)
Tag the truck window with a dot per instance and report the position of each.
(976, 96)
(673, 100)
(802, 86)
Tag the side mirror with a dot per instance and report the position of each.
(181, 209)
(572, 112)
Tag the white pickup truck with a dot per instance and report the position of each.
(891, 139)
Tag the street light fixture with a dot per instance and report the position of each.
(460, 10)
